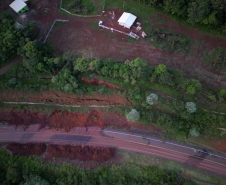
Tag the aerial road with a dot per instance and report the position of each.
(198, 157)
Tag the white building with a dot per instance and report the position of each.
(19, 6)
(127, 20)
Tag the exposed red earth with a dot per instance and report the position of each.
(27, 149)
(95, 81)
(62, 98)
(48, 151)
(65, 120)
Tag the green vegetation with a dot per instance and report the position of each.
(12, 39)
(217, 58)
(32, 170)
(168, 40)
(161, 21)
(203, 14)
(83, 7)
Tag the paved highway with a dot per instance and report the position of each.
(171, 150)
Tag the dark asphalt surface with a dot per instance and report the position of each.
(171, 150)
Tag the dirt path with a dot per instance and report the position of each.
(8, 65)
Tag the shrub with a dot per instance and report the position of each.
(191, 107)
(133, 115)
(151, 99)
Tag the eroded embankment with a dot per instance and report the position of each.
(95, 81)
(80, 152)
(62, 98)
(57, 120)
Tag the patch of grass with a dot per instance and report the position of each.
(112, 35)
(131, 40)
(94, 25)
(59, 23)
(160, 20)
(217, 58)
(81, 7)
(168, 40)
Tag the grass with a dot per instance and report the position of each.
(85, 7)
(160, 20)
(94, 25)
(131, 40)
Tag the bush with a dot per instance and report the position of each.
(217, 58)
(133, 115)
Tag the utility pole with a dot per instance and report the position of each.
(179, 178)
(123, 4)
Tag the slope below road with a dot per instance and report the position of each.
(198, 157)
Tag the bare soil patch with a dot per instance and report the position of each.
(57, 120)
(119, 121)
(99, 82)
(62, 98)
(27, 149)
(219, 144)
(81, 152)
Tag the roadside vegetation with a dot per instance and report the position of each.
(33, 170)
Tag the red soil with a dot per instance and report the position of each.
(62, 98)
(99, 82)
(57, 120)
(27, 149)
(218, 144)
(81, 152)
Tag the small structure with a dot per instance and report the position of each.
(19, 6)
(127, 20)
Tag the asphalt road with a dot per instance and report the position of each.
(171, 150)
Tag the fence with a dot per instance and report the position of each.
(57, 20)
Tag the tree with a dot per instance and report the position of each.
(222, 94)
(133, 115)
(152, 99)
(81, 64)
(138, 67)
(198, 10)
(191, 107)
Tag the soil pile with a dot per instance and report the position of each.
(81, 152)
(99, 82)
(57, 120)
(27, 149)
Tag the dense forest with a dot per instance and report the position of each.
(210, 13)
